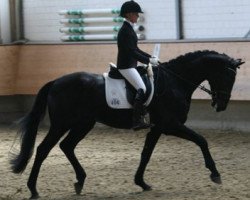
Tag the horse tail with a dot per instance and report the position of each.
(28, 130)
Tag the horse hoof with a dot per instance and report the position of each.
(147, 188)
(35, 196)
(143, 185)
(78, 188)
(216, 179)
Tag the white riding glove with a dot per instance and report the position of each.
(154, 61)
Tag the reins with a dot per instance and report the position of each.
(201, 87)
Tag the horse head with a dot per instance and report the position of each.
(222, 80)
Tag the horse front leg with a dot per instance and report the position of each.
(150, 142)
(188, 134)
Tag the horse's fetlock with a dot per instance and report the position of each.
(31, 186)
(62, 146)
(82, 178)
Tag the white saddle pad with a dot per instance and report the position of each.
(115, 90)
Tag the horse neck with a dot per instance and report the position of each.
(190, 75)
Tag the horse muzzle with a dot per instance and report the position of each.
(220, 105)
(220, 101)
(219, 108)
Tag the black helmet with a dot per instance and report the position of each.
(130, 6)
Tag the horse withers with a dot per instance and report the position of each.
(77, 101)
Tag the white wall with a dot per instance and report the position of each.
(5, 35)
(216, 19)
(202, 18)
(159, 18)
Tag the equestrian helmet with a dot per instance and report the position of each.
(130, 7)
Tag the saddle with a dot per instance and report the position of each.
(120, 94)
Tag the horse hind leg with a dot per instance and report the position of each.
(42, 152)
(68, 145)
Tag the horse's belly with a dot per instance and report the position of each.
(117, 118)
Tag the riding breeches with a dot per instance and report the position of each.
(134, 78)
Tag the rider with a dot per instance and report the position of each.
(128, 55)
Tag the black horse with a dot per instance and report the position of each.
(77, 101)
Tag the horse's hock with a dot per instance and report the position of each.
(25, 68)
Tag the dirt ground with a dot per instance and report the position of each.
(110, 157)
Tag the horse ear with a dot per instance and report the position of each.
(239, 62)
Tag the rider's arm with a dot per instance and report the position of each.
(133, 49)
(144, 53)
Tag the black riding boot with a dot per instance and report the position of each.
(138, 119)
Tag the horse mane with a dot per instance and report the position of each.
(186, 58)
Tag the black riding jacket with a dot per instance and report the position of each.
(128, 51)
